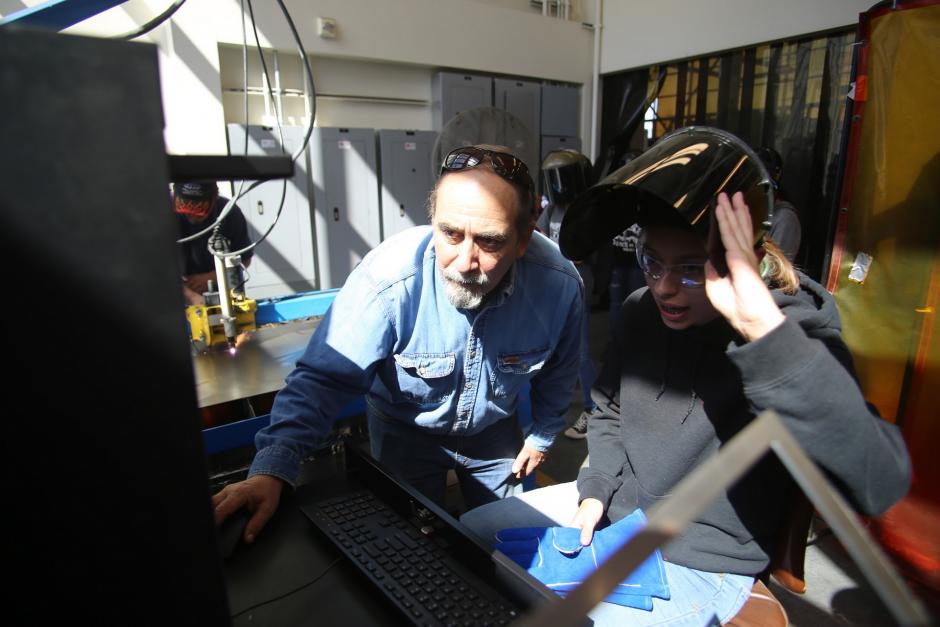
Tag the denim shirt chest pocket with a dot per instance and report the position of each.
(425, 378)
(515, 368)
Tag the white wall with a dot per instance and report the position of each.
(447, 33)
(460, 34)
(638, 33)
(350, 92)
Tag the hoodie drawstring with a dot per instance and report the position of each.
(665, 377)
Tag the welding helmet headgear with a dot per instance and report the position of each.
(675, 182)
(566, 174)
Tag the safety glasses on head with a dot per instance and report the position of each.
(690, 274)
(508, 166)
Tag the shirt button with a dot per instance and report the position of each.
(469, 386)
(472, 354)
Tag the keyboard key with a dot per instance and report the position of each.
(409, 568)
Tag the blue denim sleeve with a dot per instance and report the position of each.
(339, 364)
(551, 388)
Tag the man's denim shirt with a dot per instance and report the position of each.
(392, 335)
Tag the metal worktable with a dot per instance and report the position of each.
(259, 366)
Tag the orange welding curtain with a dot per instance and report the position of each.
(893, 215)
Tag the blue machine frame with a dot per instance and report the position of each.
(59, 14)
(294, 307)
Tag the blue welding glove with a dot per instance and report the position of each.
(554, 556)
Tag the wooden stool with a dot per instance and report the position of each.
(762, 609)
(786, 565)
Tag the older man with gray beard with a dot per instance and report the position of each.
(440, 328)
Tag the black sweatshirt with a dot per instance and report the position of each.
(685, 392)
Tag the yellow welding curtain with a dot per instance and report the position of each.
(894, 215)
(891, 213)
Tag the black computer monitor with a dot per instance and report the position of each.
(106, 507)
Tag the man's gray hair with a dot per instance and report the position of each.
(525, 202)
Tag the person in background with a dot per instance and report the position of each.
(785, 229)
(197, 204)
(566, 174)
(617, 263)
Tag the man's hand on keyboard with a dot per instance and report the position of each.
(260, 494)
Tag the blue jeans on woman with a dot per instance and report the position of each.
(698, 598)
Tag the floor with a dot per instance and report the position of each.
(837, 593)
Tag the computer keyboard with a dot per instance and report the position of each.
(411, 567)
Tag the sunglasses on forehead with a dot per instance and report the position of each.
(504, 164)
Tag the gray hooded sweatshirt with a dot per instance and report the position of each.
(671, 398)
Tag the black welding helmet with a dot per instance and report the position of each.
(566, 174)
(677, 181)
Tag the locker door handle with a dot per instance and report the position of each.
(336, 214)
(401, 210)
(260, 208)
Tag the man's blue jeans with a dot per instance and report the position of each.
(698, 598)
(482, 462)
(586, 372)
